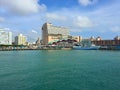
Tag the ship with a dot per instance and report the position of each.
(85, 45)
(92, 47)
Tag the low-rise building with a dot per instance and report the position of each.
(100, 42)
(77, 38)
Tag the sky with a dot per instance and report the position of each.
(85, 18)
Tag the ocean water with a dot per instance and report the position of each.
(60, 70)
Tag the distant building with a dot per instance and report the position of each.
(106, 42)
(117, 38)
(98, 38)
(92, 38)
(52, 33)
(20, 40)
(38, 42)
(100, 42)
(5, 37)
(77, 38)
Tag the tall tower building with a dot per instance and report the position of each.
(52, 33)
(20, 39)
(5, 37)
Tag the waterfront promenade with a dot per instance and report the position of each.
(14, 48)
(55, 48)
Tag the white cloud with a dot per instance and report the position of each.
(2, 19)
(87, 2)
(22, 7)
(115, 29)
(83, 22)
(33, 31)
(54, 16)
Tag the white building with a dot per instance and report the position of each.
(20, 39)
(5, 37)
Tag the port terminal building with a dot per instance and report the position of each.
(108, 44)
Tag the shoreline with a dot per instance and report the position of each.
(54, 49)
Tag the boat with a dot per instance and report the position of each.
(92, 47)
(85, 45)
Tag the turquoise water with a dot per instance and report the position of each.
(60, 70)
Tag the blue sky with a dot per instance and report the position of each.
(83, 17)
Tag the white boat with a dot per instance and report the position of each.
(92, 47)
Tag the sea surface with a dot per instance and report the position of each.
(60, 70)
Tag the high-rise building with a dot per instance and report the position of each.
(20, 39)
(5, 37)
(52, 33)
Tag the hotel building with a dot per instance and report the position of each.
(20, 40)
(52, 33)
(5, 37)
